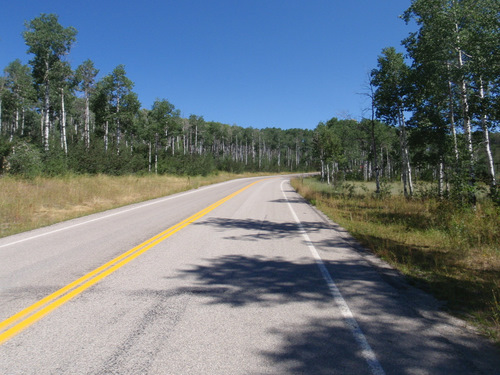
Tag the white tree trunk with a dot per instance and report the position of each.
(86, 131)
(260, 154)
(406, 170)
(23, 118)
(486, 134)
(452, 116)
(328, 173)
(196, 139)
(441, 179)
(118, 129)
(297, 161)
(46, 122)
(106, 135)
(156, 153)
(63, 124)
(333, 173)
(15, 125)
(466, 113)
(42, 118)
(149, 158)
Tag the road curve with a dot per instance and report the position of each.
(242, 277)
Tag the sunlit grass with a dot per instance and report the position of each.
(451, 251)
(30, 204)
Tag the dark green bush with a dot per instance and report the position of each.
(25, 160)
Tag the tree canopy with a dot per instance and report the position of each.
(435, 109)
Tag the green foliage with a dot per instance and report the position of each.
(391, 81)
(495, 195)
(119, 137)
(85, 76)
(426, 190)
(462, 192)
(188, 165)
(107, 132)
(385, 190)
(5, 149)
(25, 160)
(327, 143)
(48, 41)
(348, 144)
(55, 163)
(454, 85)
(231, 166)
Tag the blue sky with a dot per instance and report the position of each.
(253, 63)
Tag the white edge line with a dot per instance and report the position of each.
(139, 205)
(366, 351)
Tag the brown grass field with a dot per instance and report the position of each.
(29, 204)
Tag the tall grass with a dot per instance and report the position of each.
(449, 250)
(27, 204)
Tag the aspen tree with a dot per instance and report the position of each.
(390, 80)
(49, 42)
(85, 76)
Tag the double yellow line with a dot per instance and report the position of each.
(23, 319)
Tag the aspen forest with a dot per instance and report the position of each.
(433, 109)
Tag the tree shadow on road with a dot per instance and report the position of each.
(262, 229)
(317, 347)
(290, 200)
(327, 346)
(240, 280)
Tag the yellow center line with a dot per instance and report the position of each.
(35, 312)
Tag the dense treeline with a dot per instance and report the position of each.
(55, 119)
(442, 98)
(434, 111)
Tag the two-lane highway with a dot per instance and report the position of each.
(242, 277)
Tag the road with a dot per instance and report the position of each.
(242, 277)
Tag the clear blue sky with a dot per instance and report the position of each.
(258, 63)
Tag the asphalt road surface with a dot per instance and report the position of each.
(242, 277)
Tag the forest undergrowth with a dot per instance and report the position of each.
(449, 250)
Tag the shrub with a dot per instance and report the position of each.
(25, 160)
(55, 163)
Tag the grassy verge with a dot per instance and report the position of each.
(451, 252)
(29, 204)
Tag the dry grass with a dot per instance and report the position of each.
(30, 204)
(452, 252)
